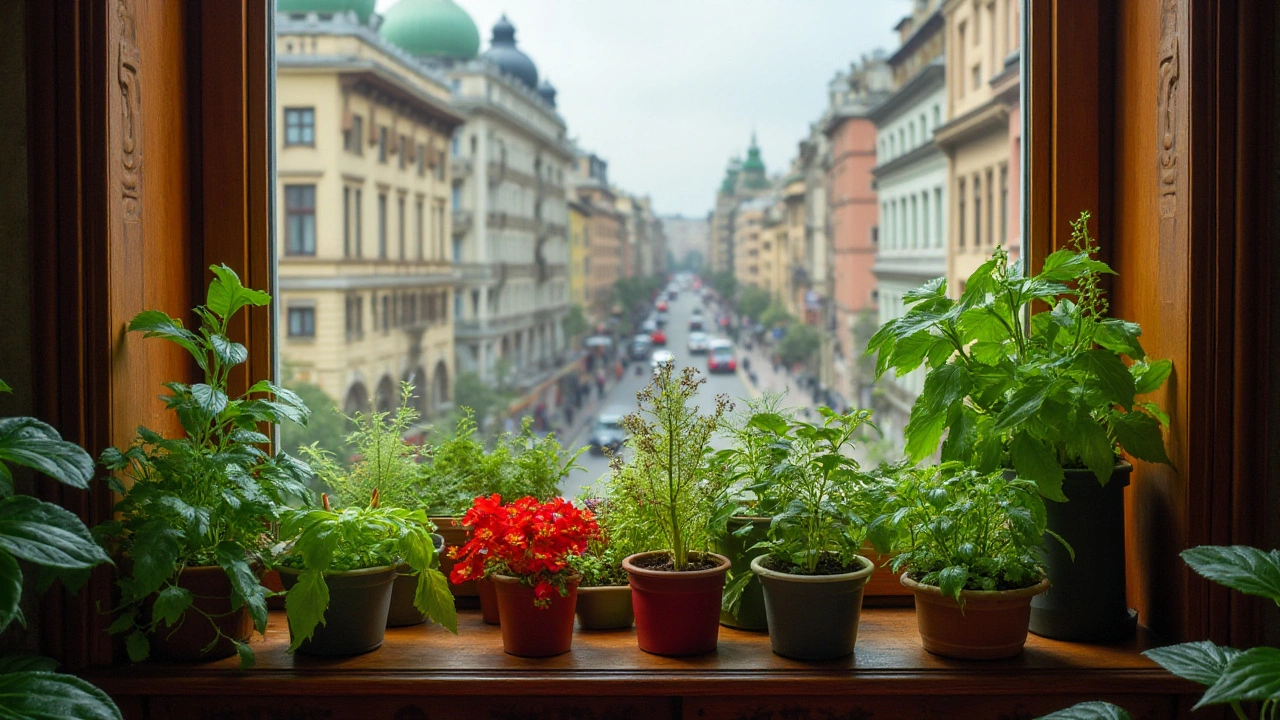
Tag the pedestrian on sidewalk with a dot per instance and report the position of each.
(600, 384)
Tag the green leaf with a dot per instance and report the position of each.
(1025, 403)
(46, 534)
(170, 604)
(10, 590)
(934, 289)
(433, 598)
(247, 658)
(1253, 675)
(28, 442)
(1115, 379)
(1095, 448)
(245, 585)
(1120, 336)
(227, 295)
(1153, 376)
(910, 351)
(952, 580)
(731, 598)
(1239, 567)
(1035, 461)
(769, 422)
(305, 605)
(137, 645)
(210, 399)
(158, 324)
(1139, 435)
(228, 352)
(944, 387)
(155, 551)
(1201, 662)
(4, 387)
(1093, 710)
(50, 696)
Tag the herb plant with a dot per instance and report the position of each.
(671, 479)
(622, 533)
(960, 529)
(751, 458)
(206, 498)
(822, 528)
(54, 540)
(323, 540)
(1058, 396)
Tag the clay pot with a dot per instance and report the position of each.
(993, 624)
(356, 620)
(750, 614)
(813, 617)
(402, 611)
(605, 608)
(530, 631)
(455, 535)
(677, 613)
(187, 639)
(488, 601)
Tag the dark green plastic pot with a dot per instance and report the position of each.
(813, 617)
(607, 607)
(750, 614)
(403, 612)
(356, 620)
(1086, 598)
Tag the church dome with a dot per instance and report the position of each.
(362, 8)
(547, 92)
(431, 28)
(503, 53)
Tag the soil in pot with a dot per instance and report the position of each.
(186, 641)
(489, 608)
(605, 607)
(993, 625)
(402, 611)
(813, 617)
(467, 594)
(750, 614)
(530, 631)
(677, 613)
(1086, 597)
(356, 620)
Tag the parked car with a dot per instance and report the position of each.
(660, 358)
(660, 319)
(658, 337)
(640, 347)
(720, 357)
(648, 326)
(698, 343)
(608, 432)
(662, 306)
(695, 324)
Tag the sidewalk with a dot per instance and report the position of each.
(763, 378)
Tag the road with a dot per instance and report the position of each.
(623, 394)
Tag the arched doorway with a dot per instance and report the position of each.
(387, 397)
(357, 399)
(440, 385)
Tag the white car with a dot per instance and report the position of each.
(660, 358)
(698, 343)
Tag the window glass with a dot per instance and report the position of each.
(382, 226)
(299, 126)
(302, 322)
(300, 219)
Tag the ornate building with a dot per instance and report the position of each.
(743, 181)
(604, 234)
(366, 275)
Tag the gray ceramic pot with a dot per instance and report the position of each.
(812, 617)
(356, 620)
(403, 612)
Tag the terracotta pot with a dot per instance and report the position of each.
(271, 581)
(883, 587)
(402, 611)
(356, 620)
(530, 631)
(750, 614)
(813, 617)
(605, 608)
(993, 624)
(677, 613)
(455, 535)
(187, 639)
(488, 601)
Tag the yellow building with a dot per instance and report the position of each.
(795, 272)
(363, 222)
(579, 217)
(748, 227)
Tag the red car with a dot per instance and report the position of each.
(662, 306)
(720, 359)
(658, 337)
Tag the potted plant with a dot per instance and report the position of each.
(604, 594)
(55, 540)
(970, 542)
(388, 465)
(1054, 405)
(813, 575)
(673, 484)
(338, 568)
(525, 548)
(196, 512)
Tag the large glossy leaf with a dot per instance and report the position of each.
(50, 696)
(155, 551)
(244, 581)
(1153, 376)
(1035, 461)
(1239, 567)
(1120, 336)
(1093, 710)
(227, 295)
(1026, 401)
(305, 605)
(1201, 662)
(46, 534)
(1253, 675)
(944, 386)
(952, 579)
(10, 590)
(1112, 374)
(435, 601)
(210, 399)
(1095, 448)
(26, 662)
(228, 352)
(170, 604)
(158, 324)
(34, 444)
(1139, 434)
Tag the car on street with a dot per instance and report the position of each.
(640, 347)
(661, 306)
(658, 337)
(660, 358)
(698, 343)
(648, 326)
(720, 357)
(660, 318)
(608, 432)
(695, 324)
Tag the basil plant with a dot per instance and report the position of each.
(1060, 394)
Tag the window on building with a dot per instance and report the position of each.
(422, 160)
(359, 220)
(960, 214)
(455, 146)
(382, 145)
(960, 48)
(440, 235)
(386, 313)
(346, 221)
(991, 232)
(911, 135)
(977, 76)
(353, 137)
(440, 166)
(925, 236)
(421, 233)
(915, 224)
(382, 226)
(1004, 205)
(939, 239)
(302, 322)
(300, 219)
(977, 210)
(400, 230)
(299, 126)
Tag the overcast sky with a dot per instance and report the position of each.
(668, 90)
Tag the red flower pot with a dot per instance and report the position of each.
(488, 601)
(530, 631)
(677, 613)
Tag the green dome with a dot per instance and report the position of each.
(363, 8)
(753, 163)
(431, 28)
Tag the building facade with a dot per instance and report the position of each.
(687, 237)
(604, 267)
(911, 180)
(579, 243)
(366, 277)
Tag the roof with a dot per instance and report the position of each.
(431, 28)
